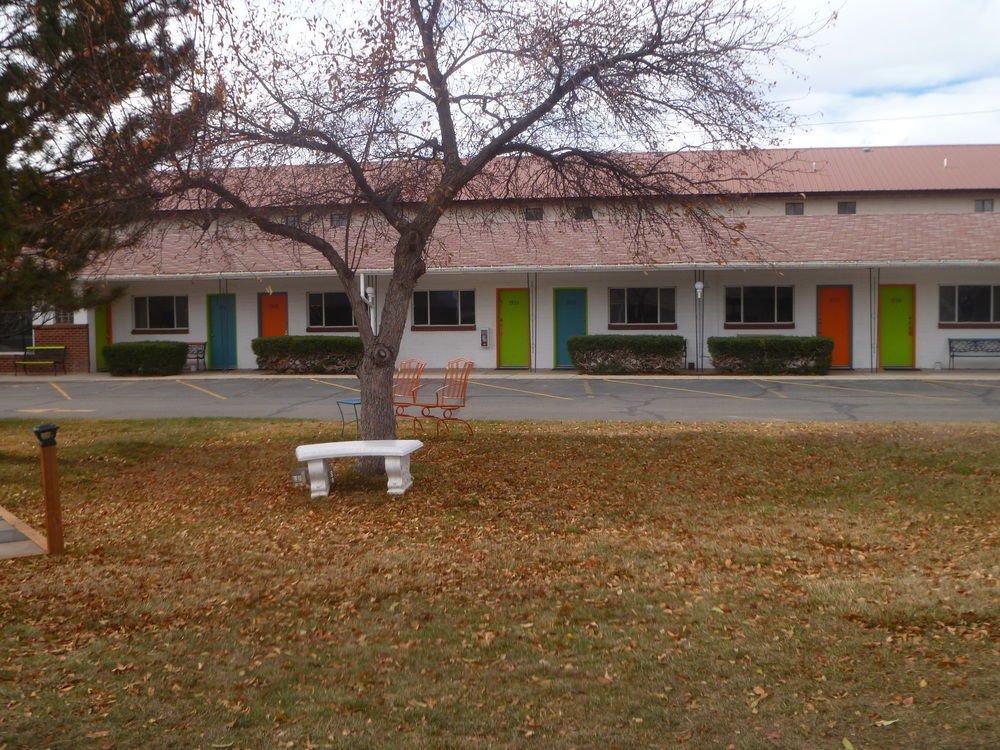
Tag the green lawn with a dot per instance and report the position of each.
(551, 585)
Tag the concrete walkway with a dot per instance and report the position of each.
(17, 539)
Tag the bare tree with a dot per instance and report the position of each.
(395, 112)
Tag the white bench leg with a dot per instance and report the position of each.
(397, 469)
(319, 478)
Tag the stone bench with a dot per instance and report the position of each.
(972, 348)
(396, 453)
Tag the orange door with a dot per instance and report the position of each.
(273, 314)
(833, 319)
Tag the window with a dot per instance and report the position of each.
(338, 220)
(452, 309)
(796, 208)
(533, 213)
(161, 313)
(583, 213)
(984, 206)
(60, 317)
(752, 306)
(642, 307)
(969, 303)
(15, 331)
(294, 221)
(330, 310)
(847, 207)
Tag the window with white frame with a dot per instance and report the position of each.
(969, 303)
(847, 207)
(984, 205)
(759, 305)
(795, 208)
(338, 219)
(160, 313)
(642, 306)
(534, 213)
(15, 331)
(449, 309)
(583, 213)
(330, 310)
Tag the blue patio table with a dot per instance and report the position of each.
(344, 421)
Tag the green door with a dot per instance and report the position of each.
(896, 326)
(222, 331)
(513, 328)
(102, 334)
(571, 320)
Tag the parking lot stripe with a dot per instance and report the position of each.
(779, 394)
(864, 390)
(531, 393)
(199, 388)
(64, 394)
(687, 390)
(336, 385)
(957, 383)
(58, 411)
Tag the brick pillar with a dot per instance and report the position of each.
(75, 337)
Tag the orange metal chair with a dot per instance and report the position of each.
(406, 388)
(450, 397)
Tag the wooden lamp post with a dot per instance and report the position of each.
(46, 434)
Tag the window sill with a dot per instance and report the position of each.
(759, 326)
(331, 329)
(443, 328)
(144, 331)
(642, 326)
(952, 326)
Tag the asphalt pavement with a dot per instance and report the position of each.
(921, 396)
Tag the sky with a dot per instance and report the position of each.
(896, 72)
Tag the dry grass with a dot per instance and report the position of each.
(542, 585)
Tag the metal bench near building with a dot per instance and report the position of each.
(972, 348)
(48, 356)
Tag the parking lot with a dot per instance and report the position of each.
(916, 397)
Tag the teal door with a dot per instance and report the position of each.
(571, 320)
(222, 331)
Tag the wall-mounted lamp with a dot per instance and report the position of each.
(369, 297)
(699, 287)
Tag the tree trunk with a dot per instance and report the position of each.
(378, 363)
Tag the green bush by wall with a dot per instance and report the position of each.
(617, 354)
(771, 355)
(145, 357)
(315, 355)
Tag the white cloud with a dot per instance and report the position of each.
(911, 70)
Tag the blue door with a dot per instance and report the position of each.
(571, 320)
(222, 331)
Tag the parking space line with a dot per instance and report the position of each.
(58, 411)
(587, 389)
(779, 394)
(518, 390)
(199, 388)
(864, 390)
(61, 391)
(336, 385)
(958, 383)
(687, 390)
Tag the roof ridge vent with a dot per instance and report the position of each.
(946, 162)
(814, 166)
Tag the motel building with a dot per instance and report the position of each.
(889, 251)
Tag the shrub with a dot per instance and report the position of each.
(771, 355)
(308, 354)
(146, 357)
(620, 354)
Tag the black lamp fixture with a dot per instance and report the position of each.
(46, 434)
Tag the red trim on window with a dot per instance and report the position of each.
(642, 326)
(442, 328)
(760, 326)
(968, 325)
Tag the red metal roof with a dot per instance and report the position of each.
(795, 240)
